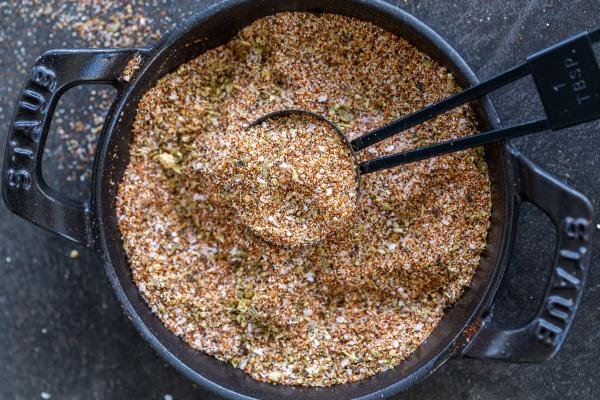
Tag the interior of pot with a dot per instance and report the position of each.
(208, 29)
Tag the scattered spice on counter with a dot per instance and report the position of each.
(366, 297)
(74, 254)
(79, 117)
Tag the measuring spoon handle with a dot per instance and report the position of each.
(433, 110)
(566, 75)
(451, 146)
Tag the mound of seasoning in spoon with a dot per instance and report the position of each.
(292, 179)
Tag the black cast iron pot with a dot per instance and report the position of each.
(468, 329)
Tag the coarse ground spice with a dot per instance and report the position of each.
(291, 179)
(362, 300)
(131, 68)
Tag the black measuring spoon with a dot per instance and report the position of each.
(568, 81)
(567, 78)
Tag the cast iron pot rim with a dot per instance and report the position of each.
(153, 54)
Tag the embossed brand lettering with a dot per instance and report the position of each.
(560, 307)
(32, 101)
(546, 332)
(43, 77)
(30, 129)
(566, 282)
(21, 151)
(27, 127)
(576, 228)
(19, 179)
(570, 258)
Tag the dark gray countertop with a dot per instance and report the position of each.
(63, 333)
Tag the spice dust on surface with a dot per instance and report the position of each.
(366, 297)
(33, 26)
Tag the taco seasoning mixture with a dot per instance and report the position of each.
(364, 298)
(292, 180)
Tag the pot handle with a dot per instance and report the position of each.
(24, 189)
(542, 337)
